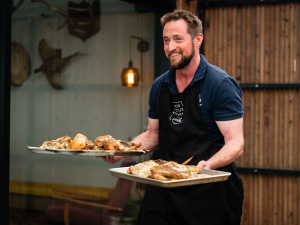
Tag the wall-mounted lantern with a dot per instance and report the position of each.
(130, 76)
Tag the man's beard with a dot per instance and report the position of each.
(184, 61)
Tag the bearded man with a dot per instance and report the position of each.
(195, 109)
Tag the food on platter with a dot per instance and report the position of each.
(81, 142)
(60, 143)
(164, 170)
(143, 169)
(107, 142)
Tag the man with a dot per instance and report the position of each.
(195, 110)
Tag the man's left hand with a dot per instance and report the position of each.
(204, 165)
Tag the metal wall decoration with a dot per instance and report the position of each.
(83, 18)
(53, 63)
(20, 65)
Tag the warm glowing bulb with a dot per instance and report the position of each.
(130, 78)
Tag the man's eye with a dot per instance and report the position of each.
(166, 41)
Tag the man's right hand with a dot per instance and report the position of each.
(111, 159)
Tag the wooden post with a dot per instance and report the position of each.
(187, 5)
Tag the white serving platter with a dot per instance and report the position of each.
(84, 152)
(206, 176)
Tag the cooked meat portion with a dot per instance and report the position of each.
(109, 143)
(129, 146)
(60, 143)
(142, 169)
(90, 144)
(81, 142)
(164, 170)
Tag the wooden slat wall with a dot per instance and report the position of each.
(260, 44)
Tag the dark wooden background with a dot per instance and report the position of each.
(261, 44)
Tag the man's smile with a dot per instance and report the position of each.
(174, 54)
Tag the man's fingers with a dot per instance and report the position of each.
(202, 164)
(111, 159)
(108, 159)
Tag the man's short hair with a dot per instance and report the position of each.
(194, 23)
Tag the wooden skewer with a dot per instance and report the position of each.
(187, 161)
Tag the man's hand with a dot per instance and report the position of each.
(149, 140)
(204, 165)
(111, 159)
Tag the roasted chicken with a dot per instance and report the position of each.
(60, 143)
(164, 170)
(109, 143)
(81, 142)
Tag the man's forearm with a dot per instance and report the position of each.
(227, 154)
(149, 140)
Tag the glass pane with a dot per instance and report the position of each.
(66, 79)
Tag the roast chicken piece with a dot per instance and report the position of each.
(109, 143)
(165, 173)
(60, 143)
(164, 170)
(81, 142)
(143, 169)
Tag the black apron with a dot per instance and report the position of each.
(182, 134)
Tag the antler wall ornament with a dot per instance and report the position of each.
(54, 9)
(83, 18)
(53, 63)
(15, 7)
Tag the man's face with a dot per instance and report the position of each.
(178, 44)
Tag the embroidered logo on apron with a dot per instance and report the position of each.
(200, 100)
(177, 114)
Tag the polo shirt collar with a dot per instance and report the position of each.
(199, 74)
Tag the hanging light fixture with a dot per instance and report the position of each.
(130, 76)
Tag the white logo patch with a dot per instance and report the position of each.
(200, 100)
(177, 114)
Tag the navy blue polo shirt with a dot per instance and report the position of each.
(220, 96)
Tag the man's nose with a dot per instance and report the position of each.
(172, 46)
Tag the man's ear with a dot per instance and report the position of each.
(198, 40)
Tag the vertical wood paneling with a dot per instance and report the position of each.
(207, 40)
(269, 215)
(220, 37)
(261, 44)
(234, 33)
(224, 38)
(229, 40)
(286, 111)
(276, 117)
